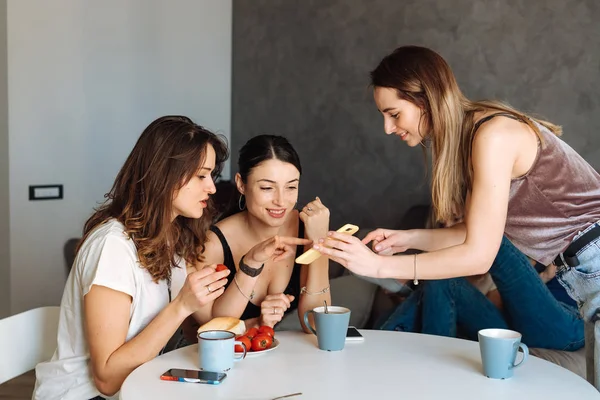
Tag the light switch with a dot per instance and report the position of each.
(45, 192)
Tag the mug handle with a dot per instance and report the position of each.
(239, 358)
(525, 349)
(306, 321)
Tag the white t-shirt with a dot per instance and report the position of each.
(107, 258)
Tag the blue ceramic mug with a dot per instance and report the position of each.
(331, 326)
(499, 349)
(216, 351)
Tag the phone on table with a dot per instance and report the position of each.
(193, 376)
(353, 335)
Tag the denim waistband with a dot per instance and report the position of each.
(568, 258)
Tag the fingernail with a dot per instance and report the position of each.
(315, 247)
(329, 233)
(321, 240)
(377, 247)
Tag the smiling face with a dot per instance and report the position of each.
(190, 200)
(271, 191)
(400, 117)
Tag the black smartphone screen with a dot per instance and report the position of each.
(353, 333)
(194, 374)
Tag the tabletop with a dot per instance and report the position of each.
(385, 364)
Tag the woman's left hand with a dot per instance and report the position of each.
(350, 252)
(316, 219)
(273, 308)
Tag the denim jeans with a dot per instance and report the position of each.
(583, 285)
(451, 307)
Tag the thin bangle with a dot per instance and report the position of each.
(415, 281)
(305, 291)
(240, 290)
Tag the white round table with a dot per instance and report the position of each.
(384, 365)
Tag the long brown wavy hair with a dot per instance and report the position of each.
(424, 78)
(166, 156)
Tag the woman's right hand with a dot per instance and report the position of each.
(276, 248)
(387, 242)
(202, 287)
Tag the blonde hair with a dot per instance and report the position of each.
(424, 78)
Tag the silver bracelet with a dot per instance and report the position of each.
(240, 290)
(304, 291)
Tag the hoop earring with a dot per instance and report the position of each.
(242, 208)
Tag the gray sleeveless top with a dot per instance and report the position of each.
(557, 198)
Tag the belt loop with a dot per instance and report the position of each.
(562, 258)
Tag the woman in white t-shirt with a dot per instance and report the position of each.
(129, 288)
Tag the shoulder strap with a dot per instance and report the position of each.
(227, 255)
(486, 119)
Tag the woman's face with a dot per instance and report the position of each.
(190, 200)
(400, 117)
(271, 191)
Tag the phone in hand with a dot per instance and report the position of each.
(353, 335)
(193, 376)
(310, 255)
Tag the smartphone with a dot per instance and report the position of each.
(310, 255)
(353, 335)
(193, 376)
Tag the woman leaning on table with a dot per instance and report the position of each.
(265, 283)
(134, 281)
(509, 172)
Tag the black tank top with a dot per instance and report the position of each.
(293, 287)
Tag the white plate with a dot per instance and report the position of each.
(258, 353)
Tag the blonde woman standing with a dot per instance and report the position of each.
(508, 172)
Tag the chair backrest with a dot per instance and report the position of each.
(69, 251)
(27, 339)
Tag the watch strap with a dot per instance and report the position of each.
(246, 269)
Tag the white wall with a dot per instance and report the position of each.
(4, 202)
(85, 78)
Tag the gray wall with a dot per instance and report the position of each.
(300, 69)
(4, 194)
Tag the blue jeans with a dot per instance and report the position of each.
(583, 285)
(451, 307)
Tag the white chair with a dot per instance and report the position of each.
(27, 339)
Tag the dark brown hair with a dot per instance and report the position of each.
(166, 156)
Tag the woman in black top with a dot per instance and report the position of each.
(257, 244)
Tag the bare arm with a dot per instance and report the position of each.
(439, 238)
(234, 300)
(315, 276)
(232, 303)
(107, 314)
(389, 242)
(494, 155)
